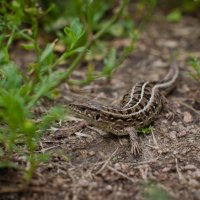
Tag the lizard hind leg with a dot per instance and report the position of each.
(170, 109)
(135, 145)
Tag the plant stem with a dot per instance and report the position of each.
(78, 59)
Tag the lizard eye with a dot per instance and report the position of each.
(82, 109)
(97, 117)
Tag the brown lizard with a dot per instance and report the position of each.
(138, 108)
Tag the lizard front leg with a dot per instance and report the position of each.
(135, 145)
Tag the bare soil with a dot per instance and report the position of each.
(85, 165)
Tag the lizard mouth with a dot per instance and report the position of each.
(85, 110)
(78, 108)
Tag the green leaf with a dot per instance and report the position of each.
(12, 109)
(116, 30)
(55, 113)
(94, 11)
(195, 63)
(109, 62)
(47, 52)
(71, 37)
(174, 16)
(11, 76)
(8, 164)
(77, 28)
(90, 73)
(73, 33)
(43, 87)
(29, 46)
(79, 49)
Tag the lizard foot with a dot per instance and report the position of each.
(170, 116)
(135, 145)
(135, 148)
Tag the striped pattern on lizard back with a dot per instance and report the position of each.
(137, 109)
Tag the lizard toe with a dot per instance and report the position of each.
(136, 149)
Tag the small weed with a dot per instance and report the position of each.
(145, 130)
(195, 64)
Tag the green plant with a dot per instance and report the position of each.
(177, 9)
(195, 64)
(22, 87)
(184, 6)
(174, 16)
(145, 130)
(18, 120)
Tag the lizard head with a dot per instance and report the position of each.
(92, 112)
(86, 110)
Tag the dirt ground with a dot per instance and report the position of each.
(85, 165)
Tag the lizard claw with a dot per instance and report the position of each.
(135, 145)
(170, 116)
(136, 149)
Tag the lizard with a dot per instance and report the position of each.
(138, 108)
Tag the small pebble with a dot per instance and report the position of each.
(109, 187)
(166, 169)
(163, 151)
(117, 166)
(181, 127)
(193, 131)
(174, 123)
(91, 153)
(181, 133)
(187, 117)
(84, 183)
(194, 183)
(172, 135)
(189, 167)
(164, 121)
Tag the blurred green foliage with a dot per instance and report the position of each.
(185, 6)
(152, 191)
(195, 64)
(174, 16)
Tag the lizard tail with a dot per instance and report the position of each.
(169, 81)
